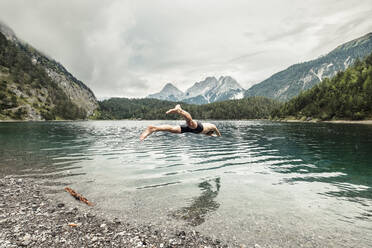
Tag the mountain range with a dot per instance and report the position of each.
(288, 83)
(209, 90)
(33, 86)
(282, 86)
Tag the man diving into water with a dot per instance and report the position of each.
(192, 126)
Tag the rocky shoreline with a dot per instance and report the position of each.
(29, 217)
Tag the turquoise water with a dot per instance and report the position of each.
(261, 182)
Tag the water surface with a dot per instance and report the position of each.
(260, 183)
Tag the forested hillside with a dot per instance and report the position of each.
(27, 92)
(288, 83)
(150, 109)
(348, 95)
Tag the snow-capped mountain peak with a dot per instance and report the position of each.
(227, 83)
(169, 93)
(227, 88)
(202, 87)
(206, 91)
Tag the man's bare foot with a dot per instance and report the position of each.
(149, 130)
(176, 109)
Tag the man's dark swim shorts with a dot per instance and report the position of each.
(187, 129)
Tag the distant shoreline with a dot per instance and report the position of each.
(365, 122)
(10, 121)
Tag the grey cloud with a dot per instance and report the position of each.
(293, 31)
(249, 34)
(331, 35)
(363, 17)
(246, 56)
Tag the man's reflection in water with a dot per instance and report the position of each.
(200, 206)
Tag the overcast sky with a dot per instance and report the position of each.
(132, 48)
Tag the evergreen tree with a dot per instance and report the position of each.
(348, 95)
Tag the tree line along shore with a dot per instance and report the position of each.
(347, 97)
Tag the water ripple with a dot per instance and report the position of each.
(331, 161)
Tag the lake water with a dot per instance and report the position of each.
(266, 183)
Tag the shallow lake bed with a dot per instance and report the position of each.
(261, 182)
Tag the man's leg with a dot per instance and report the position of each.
(165, 128)
(186, 115)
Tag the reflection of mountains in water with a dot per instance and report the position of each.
(200, 206)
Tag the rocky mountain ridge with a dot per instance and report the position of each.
(169, 93)
(290, 82)
(34, 101)
(209, 90)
